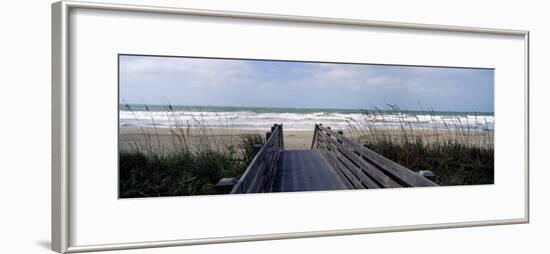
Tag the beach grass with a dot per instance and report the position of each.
(150, 169)
(456, 153)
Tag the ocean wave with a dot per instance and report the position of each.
(298, 121)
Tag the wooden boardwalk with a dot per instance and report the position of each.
(305, 170)
(334, 162)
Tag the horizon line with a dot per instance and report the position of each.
(279, 107)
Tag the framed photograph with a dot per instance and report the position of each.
(180, 126)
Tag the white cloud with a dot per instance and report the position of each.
(357, 77)
(194, 70)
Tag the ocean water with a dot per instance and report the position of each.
(259, 118)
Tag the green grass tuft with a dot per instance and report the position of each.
(152, 170)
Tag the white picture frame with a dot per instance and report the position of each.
(75, 26)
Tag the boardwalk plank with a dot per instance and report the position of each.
(305, 170)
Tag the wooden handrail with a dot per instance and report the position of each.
(314, 140)
(362, 167)
(258, 176)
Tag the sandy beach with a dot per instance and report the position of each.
(217, 138)
(221, 138)
(428, 136)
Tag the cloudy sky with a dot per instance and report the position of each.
(218, 82)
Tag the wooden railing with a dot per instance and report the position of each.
(361, 167)
(258, 177)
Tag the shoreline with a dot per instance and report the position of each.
(217, 138)
(165, 139)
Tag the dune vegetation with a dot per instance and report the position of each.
(456, 153)
(151, 169)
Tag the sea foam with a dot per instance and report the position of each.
(300, 121)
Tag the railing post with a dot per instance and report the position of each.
(314, 139)
(282, 137)
(267, 135)
(225, 185)
(427, 174)
(339, 139)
